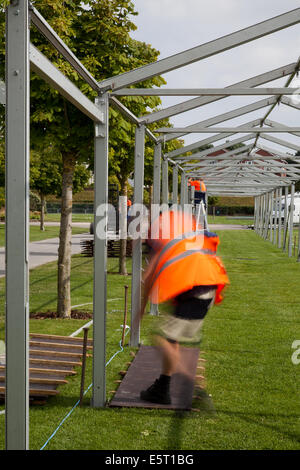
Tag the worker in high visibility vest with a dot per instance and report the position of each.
(184, 270)
(200, 190)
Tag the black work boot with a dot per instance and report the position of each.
(159, 391)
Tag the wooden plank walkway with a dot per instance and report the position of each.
(144, 369)
(51, 359)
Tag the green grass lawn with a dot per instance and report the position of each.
(75, 217)
(229, 220)
(36, 234)
(251, 399)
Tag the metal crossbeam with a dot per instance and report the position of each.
(272, 123)
(45, 69)
(276, 152)
(213, 130)
(210, 140)
(209, 152)
(44, 27)
(205, 91)
(129, 115)
(198, 102)
(203, 51)
(289, 102)
(237, 112)
(281, 142)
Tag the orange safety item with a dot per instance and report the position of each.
(189, 259)
(199, 185)
(128, 202)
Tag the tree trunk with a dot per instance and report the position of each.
(42, 213)
(65, 236)
(123, 241)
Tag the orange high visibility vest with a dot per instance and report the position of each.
(199, 186)
(202, 187)
(184, 262)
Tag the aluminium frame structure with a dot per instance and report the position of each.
(225, 176)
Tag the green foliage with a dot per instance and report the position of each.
(34, 201)
(46, 172)
(213, 200)
(2, 197)
(98, 33)
(2, 162)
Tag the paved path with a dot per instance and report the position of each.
(213, 227)
(44, 251)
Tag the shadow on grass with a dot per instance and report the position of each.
(54, 299)
(250, 419)
(41, 279)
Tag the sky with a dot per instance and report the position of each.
(172, 26)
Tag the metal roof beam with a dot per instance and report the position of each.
(223, 146)
(130, 116)
(283, 143)
(205, 91)
(213, 130)
(45, 69)
(203, 51)
(237, 112)
(198, 102)
(44, 27)
(271, 123)
(210, 140)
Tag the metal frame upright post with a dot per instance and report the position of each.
(255, 212)
(266, 217)
(271, 217)
(182, 183)
(100, 253)
(157, 173)
(175, 185)
(17, 224)
(156, 199)
(165, 182)
(279, 219)
(291, 221)
(184, 190)
(275, 217)
(298, 250)
(285, 223)
(136, 280)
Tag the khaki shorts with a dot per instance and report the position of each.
(180, 329)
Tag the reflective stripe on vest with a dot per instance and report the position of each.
(178, 239)
(181, 256)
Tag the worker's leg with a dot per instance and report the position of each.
(170, 355)
(159, 391)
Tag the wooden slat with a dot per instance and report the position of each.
(40, 362)
(55, 362)
(42, 352)
(36, 370)
(47, 372)
(36, 392)
(58, 345)
(56, 337)
(39, 380)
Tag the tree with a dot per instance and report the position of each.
(97, 31)
(46, 176)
